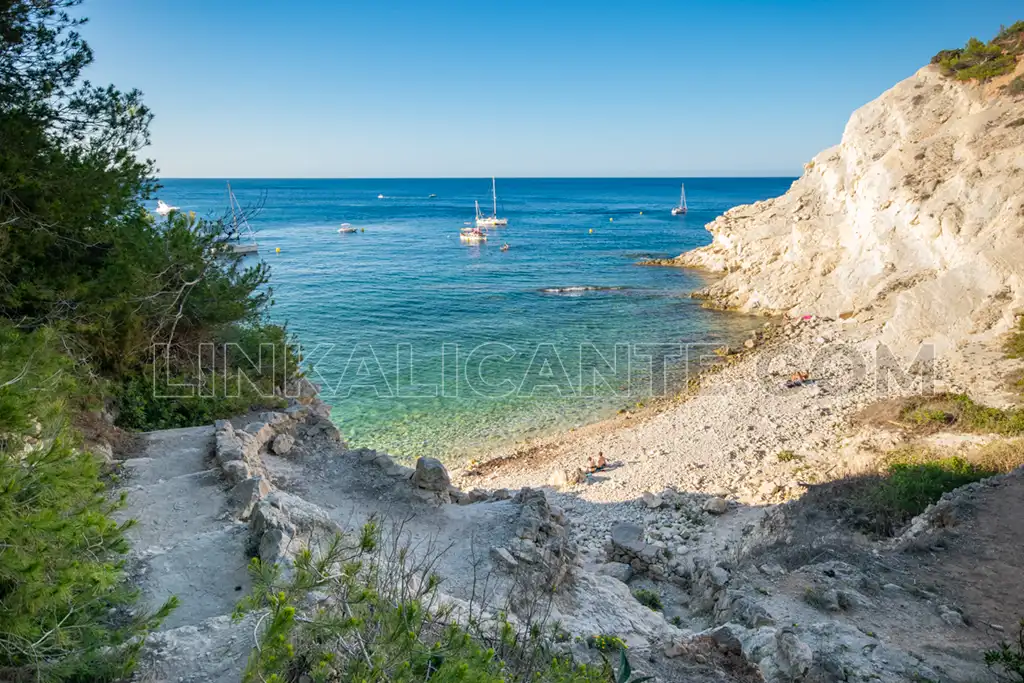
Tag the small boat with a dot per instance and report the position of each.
(472, 235)
(491, 221)
(240, 224)
(346, 227)
(681, 209)
(163, 209)
(380, 196)
(432, 196)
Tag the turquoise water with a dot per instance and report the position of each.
(429, 346)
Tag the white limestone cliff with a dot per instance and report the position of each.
(915, 221)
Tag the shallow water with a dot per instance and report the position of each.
(428, 346)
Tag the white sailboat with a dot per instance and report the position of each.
(491, 221)
(239, 223)
(681, 209)
(163, 209)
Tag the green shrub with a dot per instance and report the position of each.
(382, 622)
(1011, 38)
(787, 456)
(606, 642)
(1016, 87)
(235, 378)
(1009, 658)
(981, 61)
(958, 411)
(62, 588)
(911, 487)
(648, 599)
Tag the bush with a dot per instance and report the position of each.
(910, 487)
(606, 642)
(61, 582)
(379, 618)
(1016, 87)
(1009, 658)
(912, 478)
(648, 599)
(247, 368)
(958, 411)
(982, 61)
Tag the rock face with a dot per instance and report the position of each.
(918, 214)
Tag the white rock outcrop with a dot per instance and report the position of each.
(915, 221)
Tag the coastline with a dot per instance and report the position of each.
(721, 438)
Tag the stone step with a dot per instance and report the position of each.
(207, 572)
(172, 453)
(174, 509)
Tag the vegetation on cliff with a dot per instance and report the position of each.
(97, 300)
(981, 61)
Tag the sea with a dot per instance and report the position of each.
(425, 345)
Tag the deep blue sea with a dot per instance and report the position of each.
(428, 346)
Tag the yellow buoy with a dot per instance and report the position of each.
(641, 213)
(591, 231)
(611, 220)
(278, 250)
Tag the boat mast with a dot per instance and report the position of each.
(682, 196)
(494, 196)
(231, 203)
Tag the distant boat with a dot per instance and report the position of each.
(380, 196)
(681, 209)
(163, 209)
(346, 227)
(432, 196)
(240, 224)
(472, 235)
(491, 221)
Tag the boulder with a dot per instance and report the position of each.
(282, 444)
(629, 537)
(260, 431)
(652, 500)
(503, 558)
(719, 576)
(244, 495)
(794, 657)
(726, 640)
(236, 471)
(431, 475)
(558, 478)
(716, 505)
(274, 418)
(617, 570)
(274, 547)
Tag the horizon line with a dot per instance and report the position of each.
(512, 177)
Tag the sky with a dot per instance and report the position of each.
(376, 89)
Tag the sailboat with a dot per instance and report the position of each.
(491, 221)
(163, 209)
(681, 209)
(238, 224)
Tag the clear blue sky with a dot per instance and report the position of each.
(334, 88)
